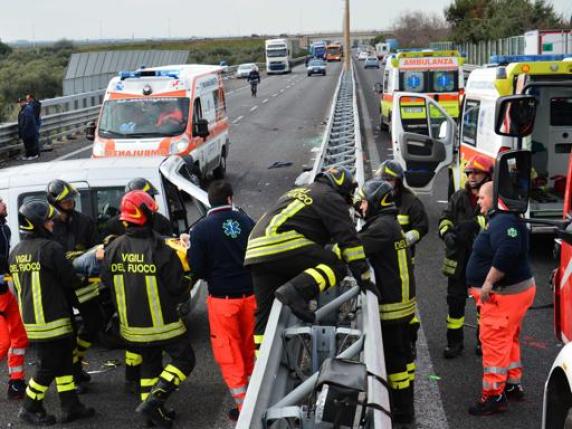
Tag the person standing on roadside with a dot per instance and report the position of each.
(218, 246)
(28, 131)
(37, 109)
(501, 281)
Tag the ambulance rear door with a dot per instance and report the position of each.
(422, 143)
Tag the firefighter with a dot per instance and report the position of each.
(388, 252)
(501, 281)
(411, 216)
(116, 227)
(286, 251)
(458, 226)
(145, 273)
(218, 245)
(77, 233)
(160, 223)
(13, 338)
(44, 280)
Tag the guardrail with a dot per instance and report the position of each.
(282, 391)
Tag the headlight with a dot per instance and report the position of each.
(179, 145)
(98, 149)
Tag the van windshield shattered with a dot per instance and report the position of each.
(144, 117)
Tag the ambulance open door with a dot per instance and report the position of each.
(423, 137)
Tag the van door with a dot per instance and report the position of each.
(423, 137)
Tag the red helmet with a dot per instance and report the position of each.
(137, 207)
(479, 163)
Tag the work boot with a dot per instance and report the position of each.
(489, 405)
(171, 414)
(80, 375)
(16, 389)
(76, 412)
(233, 414)
(39, 417)
(153, 407)
(453, 350)
(288, 295)
(514, 392)
(478, 349)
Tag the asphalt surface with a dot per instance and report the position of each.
(459, 380)
(284, 123)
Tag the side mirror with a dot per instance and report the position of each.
(514, 115)
(90, 131)
(378, 88)
(512, 181)
(201, 128)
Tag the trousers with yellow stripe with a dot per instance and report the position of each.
(55, 362)
(400, 367)
(311, 271)
(160, 381)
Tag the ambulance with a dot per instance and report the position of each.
(162, 111)
(435, 73)
(439, 143)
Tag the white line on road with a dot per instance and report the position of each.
(442, 201)
(265, 101)
(237, 120)
(274, 95)
(281, 91)
(75, 152)
(253, 108)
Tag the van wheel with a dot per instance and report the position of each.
(220, 171)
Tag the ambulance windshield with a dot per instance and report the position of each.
(144, 117)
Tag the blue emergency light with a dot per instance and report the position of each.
(149, 73)
(507, 59)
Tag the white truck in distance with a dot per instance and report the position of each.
(278, 56)
(547, 42)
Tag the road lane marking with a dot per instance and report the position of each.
(265, 101)
(237, 120)
(274, 95)
(75, 152)
(281, 91)
(253, 108)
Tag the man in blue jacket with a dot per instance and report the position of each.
(218, 246)
(28, 132)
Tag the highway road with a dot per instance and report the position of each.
(457, 382)
(285, 123)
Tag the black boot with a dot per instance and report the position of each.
(288, 295)
(133, 379)
(16, 389)
(454, 343)
(489, 405)
(153, 407)
(514, 392)
(72, 409)
(37, 417)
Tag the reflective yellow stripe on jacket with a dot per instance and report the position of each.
(406, 307)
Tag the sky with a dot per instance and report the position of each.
(72, 19)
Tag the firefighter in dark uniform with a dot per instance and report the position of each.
(116, 227)
(286, 247)
(458, 226)
(77, 233)
(389, 254)
(44, 280)
(411, 216)
(147, 279)
(161, 224)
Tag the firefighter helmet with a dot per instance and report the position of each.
(137, 207)
(390, 170)
(33, 214)
(378, 194)
(60, 190)
(479, 164)
(141, 184)
(342, 180)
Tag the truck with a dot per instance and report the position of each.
(318, 50)
(383, 49)
(279, 54)
(334, 51)
(548, 42)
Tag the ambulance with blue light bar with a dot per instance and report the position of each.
(435, 73)
(162, 111)
(442, 143)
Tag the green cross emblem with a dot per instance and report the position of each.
(512, 232)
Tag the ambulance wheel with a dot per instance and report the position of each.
(220, 171)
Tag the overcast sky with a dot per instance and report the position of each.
(73, 19)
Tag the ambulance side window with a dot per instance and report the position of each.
(197, 110)
(470, 122)
(385, 80)
(219, 103)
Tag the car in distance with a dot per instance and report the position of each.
(371, 62)
(363, 55)
(316, 66)
(244, 70)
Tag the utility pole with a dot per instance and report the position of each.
(347, 49)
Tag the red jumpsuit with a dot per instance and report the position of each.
(13, 338)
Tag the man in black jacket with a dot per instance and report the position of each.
(148, 284)
(45, 282)
(77, 233)
(387, 250)
(286, 250)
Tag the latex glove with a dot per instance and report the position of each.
(411, 237)
(185, 240)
